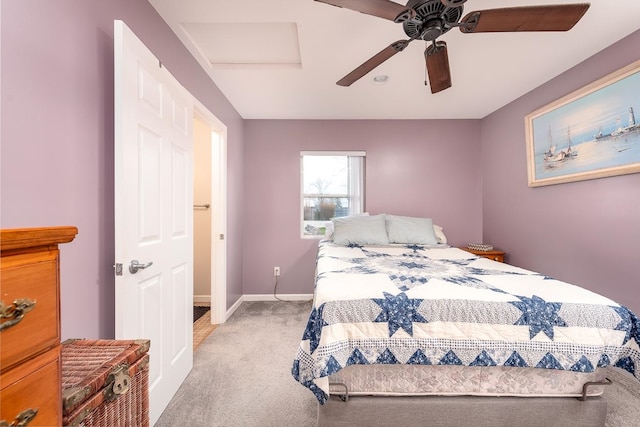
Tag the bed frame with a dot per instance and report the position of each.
(343, 410)
(456, 411)
(364, 409)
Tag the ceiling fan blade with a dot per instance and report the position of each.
(561, 17)
(373, 62)
(438, 66)
(381, 8)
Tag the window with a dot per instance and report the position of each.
(332, 186)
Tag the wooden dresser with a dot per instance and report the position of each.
(30, 377)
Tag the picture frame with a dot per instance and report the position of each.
(590, 133)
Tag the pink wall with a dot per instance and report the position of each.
(424, 168)
(585, 232)
(57, 138)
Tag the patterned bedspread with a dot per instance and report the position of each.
(400, 304)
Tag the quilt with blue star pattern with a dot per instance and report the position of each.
(439, 305)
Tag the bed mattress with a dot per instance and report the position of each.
(390, 306)
(417, 380)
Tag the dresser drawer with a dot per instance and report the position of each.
(33, 385)
(33, 276)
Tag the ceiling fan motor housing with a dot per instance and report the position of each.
(432, 19)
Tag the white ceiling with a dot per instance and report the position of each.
(280, 59)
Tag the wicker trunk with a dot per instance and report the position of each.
(105, 383)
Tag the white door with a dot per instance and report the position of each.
(153, 213)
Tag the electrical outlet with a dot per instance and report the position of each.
(276, 271)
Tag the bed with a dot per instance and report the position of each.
(408, 330)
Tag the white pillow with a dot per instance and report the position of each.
(360, 230)
(439, 232)
(328, 234)
(411, 230)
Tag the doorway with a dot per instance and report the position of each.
(209, 213)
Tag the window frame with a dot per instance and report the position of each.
(360, 196)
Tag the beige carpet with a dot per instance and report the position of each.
(242, 376)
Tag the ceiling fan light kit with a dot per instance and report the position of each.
(382, 78)
(429, 19)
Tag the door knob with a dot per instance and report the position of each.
(135, 266)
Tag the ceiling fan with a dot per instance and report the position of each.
(429, 19)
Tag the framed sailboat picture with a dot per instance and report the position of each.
(593, 132)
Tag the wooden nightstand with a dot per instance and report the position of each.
(494, 254)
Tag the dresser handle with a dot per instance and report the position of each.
(23, 418)
(15, 313)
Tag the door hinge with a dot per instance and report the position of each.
(221, 236)
(118, 268)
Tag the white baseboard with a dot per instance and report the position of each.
(270, 297)
(233, 308)
(267, 297)
(254, 297)
(201, 299)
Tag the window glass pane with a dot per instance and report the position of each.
(326, 174)
(331, 187)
